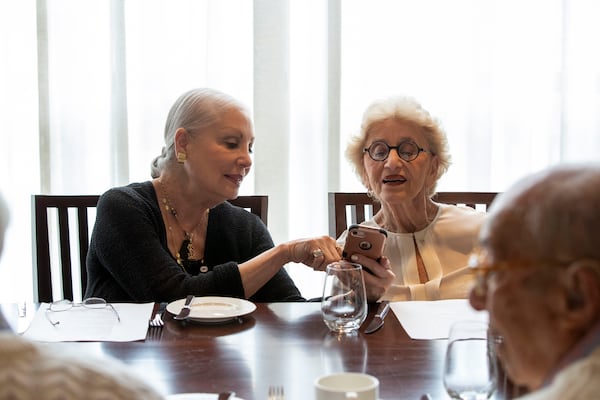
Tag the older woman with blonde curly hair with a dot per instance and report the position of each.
(399, 155)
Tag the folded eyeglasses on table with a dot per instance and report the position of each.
(66, 304)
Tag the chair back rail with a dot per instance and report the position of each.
(470, 199)
(354, 207)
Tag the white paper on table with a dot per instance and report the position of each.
(432, 319)
(80, 324)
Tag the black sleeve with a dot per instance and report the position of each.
(244, 236)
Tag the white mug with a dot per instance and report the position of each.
(347, 385)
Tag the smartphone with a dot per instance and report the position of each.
(364, 240)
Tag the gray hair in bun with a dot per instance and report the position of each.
(194, 110)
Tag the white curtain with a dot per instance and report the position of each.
(85, 86)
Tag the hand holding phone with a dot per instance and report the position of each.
(365, 240)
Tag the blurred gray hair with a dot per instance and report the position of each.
(194, 110)
(551, 216)
(404, 109)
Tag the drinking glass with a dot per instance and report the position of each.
(344, 303)
(470, 367)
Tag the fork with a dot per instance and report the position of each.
(275, 393)
(156, 327)
(157, 321)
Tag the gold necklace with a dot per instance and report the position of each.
(186, 251)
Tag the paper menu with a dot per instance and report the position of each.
(432, 319)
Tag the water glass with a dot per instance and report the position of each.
(470, 365)
(344, 303)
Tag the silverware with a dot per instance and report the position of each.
(275, 393)
(157, 321)
(379, 317)
(22, 309)
(185, 311)
(226, 395)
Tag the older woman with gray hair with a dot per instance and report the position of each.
(177, 235)
(399, 155)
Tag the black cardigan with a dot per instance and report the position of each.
(129, 259)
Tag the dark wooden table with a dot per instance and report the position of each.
(279, 344)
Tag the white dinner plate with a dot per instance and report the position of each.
(214, 309)
(197, 396)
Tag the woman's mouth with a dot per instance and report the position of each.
(394, 180)
(237, 179)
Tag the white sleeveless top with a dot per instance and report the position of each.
(445, 245)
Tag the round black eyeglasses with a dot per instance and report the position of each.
(408, 151)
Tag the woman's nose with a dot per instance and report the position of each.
(246, 159)
(394, 158)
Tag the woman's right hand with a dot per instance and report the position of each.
(315, 252)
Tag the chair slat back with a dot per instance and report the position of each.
(349, 208)
(346, 208)
(56, 232)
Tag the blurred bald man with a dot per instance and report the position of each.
(538, 269)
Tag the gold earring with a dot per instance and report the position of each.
(181, 157)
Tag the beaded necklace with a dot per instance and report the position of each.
(185, 254)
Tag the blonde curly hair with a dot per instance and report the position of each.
(405, 109)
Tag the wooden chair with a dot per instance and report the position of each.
(349, 208)
(352, 208)
(258, 204)
(72, 213)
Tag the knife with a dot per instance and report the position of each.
(185, 311)
(226, 395)
(377, 321)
